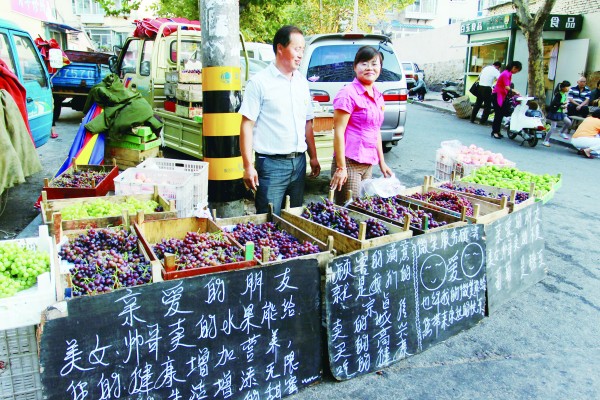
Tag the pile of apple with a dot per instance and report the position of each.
(474, 155)
(512, 178)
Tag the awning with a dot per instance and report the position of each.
(478, 44)
(61, 27)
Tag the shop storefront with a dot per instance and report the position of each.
(498, 38)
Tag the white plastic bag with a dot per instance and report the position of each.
(383, 187)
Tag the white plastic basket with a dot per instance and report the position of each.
(20, 376)
(198, 168)
(444, 165)
(463, 169)
(172, 185)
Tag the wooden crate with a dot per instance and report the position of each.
(323, 122)
(126, 158)
(106, 185)
(343, 243)
(51, 213)
(452, 221)
(510, 194)
(323, 257)
(151, 232)
(483, 211)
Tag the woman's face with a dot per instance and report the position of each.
(515, 70)
(566, 89)
(367, 72)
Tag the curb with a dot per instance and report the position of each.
(558, 142)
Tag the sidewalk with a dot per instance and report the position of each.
(434, 100)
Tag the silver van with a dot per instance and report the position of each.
(328, 65)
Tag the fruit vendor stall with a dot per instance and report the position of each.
(203, 307)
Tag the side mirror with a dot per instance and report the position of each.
(112, 64)
(55, 56)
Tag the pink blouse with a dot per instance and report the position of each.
(366, 116)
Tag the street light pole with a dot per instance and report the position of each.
(355, 17)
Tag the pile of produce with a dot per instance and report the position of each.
(282, 245)
(198, 250)
(20, 267)
(338, 219)
(101, 207)
(392, 207)
(105, 259)
(519, 196)
(79, 179)
(512, 178)
(447, 200)
(474, 155)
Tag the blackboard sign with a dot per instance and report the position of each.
(387, 303)
(247, 334)
(515, 254)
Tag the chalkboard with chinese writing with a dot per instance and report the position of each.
(515, 254)
(387, 303)
(248, 334)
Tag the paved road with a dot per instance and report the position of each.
(541, 345)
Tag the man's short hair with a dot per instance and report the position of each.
(497, 64)
(282, 36)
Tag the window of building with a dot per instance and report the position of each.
(422, 6)
(86, 7)
(482, 56)
(101, 38)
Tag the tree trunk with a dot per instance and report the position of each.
(536, 78)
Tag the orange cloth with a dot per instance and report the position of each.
(590, 127)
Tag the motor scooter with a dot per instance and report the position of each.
(530, 128)
(450, 91)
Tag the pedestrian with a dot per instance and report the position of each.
(276, 123)
(587, 136)
(357, 117)
(579, 99)
(500, 95)
(556, 112)
(487, 78)
(419, 89)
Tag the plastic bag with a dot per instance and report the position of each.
(383, 187)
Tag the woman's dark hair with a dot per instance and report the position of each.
(514, 64)
(367, 53)
(282, 36)
(561, 86)
(596, 113)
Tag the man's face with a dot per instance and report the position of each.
(581, 83)
(291, 55)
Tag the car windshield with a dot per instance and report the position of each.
(408, 67)
(334, 63)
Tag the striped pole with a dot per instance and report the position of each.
(221, 99)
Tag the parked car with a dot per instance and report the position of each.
(328, 66)
(254, 66)
(410, 70)
(260, 51)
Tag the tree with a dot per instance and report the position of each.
(532, 26)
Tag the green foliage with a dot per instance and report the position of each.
(180, 8)
(127, 6)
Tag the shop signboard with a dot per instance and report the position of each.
(488, 24)
(564, 23)
(252, 333)
(387, 303)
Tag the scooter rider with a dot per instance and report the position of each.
(487, 78)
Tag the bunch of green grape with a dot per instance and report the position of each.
(104, 208)
(20, 267)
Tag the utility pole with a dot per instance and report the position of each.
(355, 17)
(221, 92)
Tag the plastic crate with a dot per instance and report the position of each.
(463, 169)
(444, 165)
(172, 185)
(19, 365)
(198, 168)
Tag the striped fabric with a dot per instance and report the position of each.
(357, 172)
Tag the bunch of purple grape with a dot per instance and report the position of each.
(198, 250)
(448, 200)
(393, 208)
(78, 179)
(105, 260)
(282, 245)
(338, 219)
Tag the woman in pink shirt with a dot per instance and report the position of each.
(500, 94)
(357, 118)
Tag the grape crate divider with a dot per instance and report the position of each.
(342, 242)
(323, 257)
(151, 232)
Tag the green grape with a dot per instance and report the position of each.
(20, 267)
(100, 207)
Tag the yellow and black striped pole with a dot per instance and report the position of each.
(221, 92)
(221, 97)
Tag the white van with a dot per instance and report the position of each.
(260, 51)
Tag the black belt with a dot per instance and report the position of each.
(290, 155)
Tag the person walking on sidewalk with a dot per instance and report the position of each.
(500, 96)
(556, 112)
(277, 124)
(487, 78)
(587, 136)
